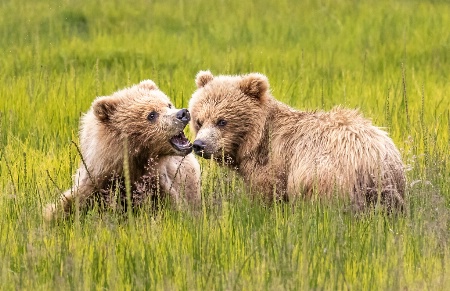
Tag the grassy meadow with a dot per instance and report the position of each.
(391, 59)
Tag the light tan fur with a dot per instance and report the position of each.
(291, 153)
(155, 166)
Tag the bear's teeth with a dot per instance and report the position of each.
(180, 141)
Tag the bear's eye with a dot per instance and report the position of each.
(221, 122)
(152, 116)
(199, 124)
(169, 105)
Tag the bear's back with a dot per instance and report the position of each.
(342, 151)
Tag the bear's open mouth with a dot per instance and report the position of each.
(181, 143)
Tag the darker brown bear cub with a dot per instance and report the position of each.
(136, 132)
(288, 153)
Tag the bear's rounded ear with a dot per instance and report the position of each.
(104, 107)
(148, 84)
(254, 85)
(203, 78)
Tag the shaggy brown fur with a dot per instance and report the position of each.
(287, 152)
(142, 119)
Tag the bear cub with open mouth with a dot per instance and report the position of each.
(139, 124)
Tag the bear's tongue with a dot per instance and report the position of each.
(181, 143)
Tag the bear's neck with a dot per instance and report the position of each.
(257, 144)
(141, 164)
(257, 153)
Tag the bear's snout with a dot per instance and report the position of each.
(184, 116)
(199, 147)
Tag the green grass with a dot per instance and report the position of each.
(391, 59)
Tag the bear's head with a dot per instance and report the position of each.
(143, 116)
(228, 114)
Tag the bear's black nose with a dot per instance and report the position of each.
(184, 115)
(198, 146)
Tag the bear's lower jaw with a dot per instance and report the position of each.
(203, 154)
(181, 144)
(220, 158)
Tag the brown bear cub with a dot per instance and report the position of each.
(289, 153)
(135, 132)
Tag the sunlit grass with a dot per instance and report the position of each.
(390, 59)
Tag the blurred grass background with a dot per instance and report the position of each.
(388, 58)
